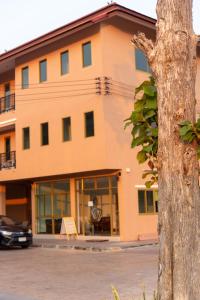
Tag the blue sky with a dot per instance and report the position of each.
(23, 20)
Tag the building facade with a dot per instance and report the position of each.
(63, 148)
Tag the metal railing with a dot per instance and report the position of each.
(7, 103)
(8, 160)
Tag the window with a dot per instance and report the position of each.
(43, 70)
(66, 129)
(64, 57)
(26, 138)
(87, 54)
(25, 78)
(141, 61)
(52, 204)
(45, 134)
(148, 201)
(89, 124)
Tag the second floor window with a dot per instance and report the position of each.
(26, 138)
(66, 129)
(43, 70)
(87, 54)
(25, 78)
(44, 134)
(141, 62)
(89, 124)
(64, 62)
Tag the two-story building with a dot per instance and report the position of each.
(63, 149)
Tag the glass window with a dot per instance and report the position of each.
(64, 62)
(87, 54)
(43, 70)
(141, 61)
(148, 201)
(26, 138)
(53, 203)
(45, 134)
(103, 182)
(89, 183)
(25, 78)
(67, 129)
(89, 124)
(141, 201)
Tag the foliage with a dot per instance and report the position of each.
(144, 122)
(190, 132)
(117, 297)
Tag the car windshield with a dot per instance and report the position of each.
(5, 221)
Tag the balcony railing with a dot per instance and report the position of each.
(7, 103)
(8, 160)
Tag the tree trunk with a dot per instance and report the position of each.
(173, 62)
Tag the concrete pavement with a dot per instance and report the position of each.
(55, 274)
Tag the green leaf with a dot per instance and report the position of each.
(185, 123)
(148, 184)
(149, 90)
(136, 117)
(141, 156)
(148, 148)
(151, 103)
(188, 137)
(149, 114)
(183, 130)
(139, 105)
(138, 141)
(141, 87)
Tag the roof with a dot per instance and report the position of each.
(88, 20)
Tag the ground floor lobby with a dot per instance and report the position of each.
(98, 204)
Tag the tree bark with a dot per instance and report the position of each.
(173, 62)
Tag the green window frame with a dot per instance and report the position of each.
(43, 70)
(66, 125)
(141, 62)
(89, 124)
(64, 62)
(26, 138)
(25, 78)
(147, 201)
(44, 134)
(87, 54)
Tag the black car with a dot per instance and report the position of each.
(13, 234)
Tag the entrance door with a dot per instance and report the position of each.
(97, 205)
(7, 148)
(7, 96)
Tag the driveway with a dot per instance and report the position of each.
(55, 274)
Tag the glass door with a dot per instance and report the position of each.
(7, 148)
(7, 96)
(52, 204)
(97, 206)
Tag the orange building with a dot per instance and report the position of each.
(63, 149)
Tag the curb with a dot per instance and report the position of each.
(92, 249)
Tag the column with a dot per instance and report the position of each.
(2, 199)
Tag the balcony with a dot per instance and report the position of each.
(7, 103)
(8, 160)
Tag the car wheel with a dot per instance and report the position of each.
(25, 246)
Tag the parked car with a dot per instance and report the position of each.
(13, 234)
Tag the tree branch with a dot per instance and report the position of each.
(146, 45)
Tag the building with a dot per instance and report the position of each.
(64, 151)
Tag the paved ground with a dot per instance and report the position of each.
(55, 274)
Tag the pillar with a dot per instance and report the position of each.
(2, 199)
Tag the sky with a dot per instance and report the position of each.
(24, 20)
